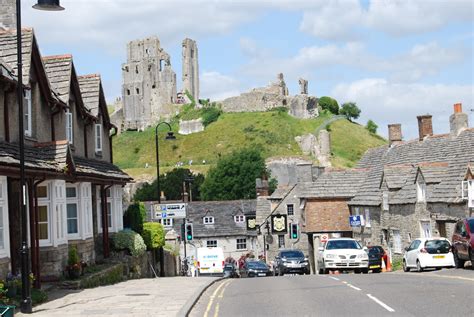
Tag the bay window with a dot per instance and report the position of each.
(4, 224)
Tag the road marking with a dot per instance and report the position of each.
(352, 286)
(223, 290)
(211, 300)
(344, 282)
(334, 278)
(438, 275)
(378, 301)
(216, 311)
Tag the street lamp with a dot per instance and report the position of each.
(169, 136)
(25, 306)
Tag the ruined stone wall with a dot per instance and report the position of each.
(149, 83)
(7, 14)
(190, 126)
(190, 68)
(284, 170)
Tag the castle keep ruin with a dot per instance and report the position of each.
(190, 68)
(149, 84)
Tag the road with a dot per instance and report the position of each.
(435, 293)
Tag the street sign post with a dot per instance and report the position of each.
(170, 211)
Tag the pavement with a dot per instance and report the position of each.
(448, 292)
(169, 296)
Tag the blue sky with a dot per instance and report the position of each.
(395, 59)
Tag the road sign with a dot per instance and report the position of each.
(356, 221)
(324, 238)
(170, 211)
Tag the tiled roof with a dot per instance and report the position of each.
(223, 213)
(59, 72)
(6, 71)
(92, 167)
(395, 176)
(90, 91)
(433, 173)
(335, 184)
(280, 192)
(8, 50)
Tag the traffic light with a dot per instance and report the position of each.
(294, 231)
(189, 231)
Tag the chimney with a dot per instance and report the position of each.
(458, 121)
(304, 172)
(394, 133)
(261, 187)
(425, 126)
(7, 14)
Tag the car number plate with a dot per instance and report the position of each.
(374, 266)
(261, 274)
(438, 256)
(204, 268)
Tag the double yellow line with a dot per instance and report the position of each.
(215, 295)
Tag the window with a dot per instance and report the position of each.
(242, 244)
(367, 217)
(385, 200)
(4, 232)
(281, 241)
(208, 220)
(161, 65)
(114, 209)
(290, 209)
(211, 243)
(43, 223)
(72, 211)
(128, 92)
(138, 91)
(69, 127)
(98, 138)
(166, 222)
(468, 192)
(239, 219)
(397, 241)
(421, 191)
(425, 226)
(27, 112)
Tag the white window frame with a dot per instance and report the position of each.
(420, 191)
(385, 203)
(167, 222)
(367, 218)
(281, 241)
(241, 244)
(425, 231)
(467, 190)
(397, 241)
(69, 127)
(46, 202)
(115, 212)
(288, 209)
(74, 201)
(55, 202)
(27, 113)
(208, 220)
(239, 219)
(98, 138)
(211, 243)
(85, 191)
(5, 249)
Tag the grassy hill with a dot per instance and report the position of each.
(273, 131)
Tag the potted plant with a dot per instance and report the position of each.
(74, 267)
(12, 284)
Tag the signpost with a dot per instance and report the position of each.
(170, 211)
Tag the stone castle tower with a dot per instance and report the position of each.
(149, 84)
(191, 68)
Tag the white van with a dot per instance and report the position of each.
(210, 261)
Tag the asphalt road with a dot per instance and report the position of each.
(436, 293)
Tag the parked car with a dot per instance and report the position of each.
(291, 261)
(255, 269)
(343, 254)
(428, 253)
(230, 270)
(376, 256)
(463, 242)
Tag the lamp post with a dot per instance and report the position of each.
(26, 305)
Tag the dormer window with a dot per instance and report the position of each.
(239, 219)
(421, 190)
(69, 127)
(468, 192)
(208, 220)
(27, 113)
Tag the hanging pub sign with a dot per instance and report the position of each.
(279, 224)
(251, 223)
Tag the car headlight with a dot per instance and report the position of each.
(284, 260)
(363, 256)
(330, 256)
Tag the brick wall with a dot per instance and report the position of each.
(324, 215)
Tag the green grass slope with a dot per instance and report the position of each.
(274, 132)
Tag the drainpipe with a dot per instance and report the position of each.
(105, 220)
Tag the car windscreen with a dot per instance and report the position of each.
(374, 251)
(292, 254)
(256, 265)
(437, 246)
(471, 225)
(228, 268)
(342, 244)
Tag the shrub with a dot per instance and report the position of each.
(210, 115)
(153, 235)
(73, 257)
(371, 126)
(330, 104)
(131, 241)
(135, 216)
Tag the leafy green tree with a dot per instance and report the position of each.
(134, 217)
(329, 104)
(234, 176)
(350, 110)
(171, 184)
(371, 126)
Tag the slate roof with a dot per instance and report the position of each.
(59, 72)
(334, 184)
(8, 50)
(90, 91)
(280, 192)
(429, 154)
(6, 71)
(92, 167)
(395, 176)
(223, 213)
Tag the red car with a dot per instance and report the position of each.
(463, 242)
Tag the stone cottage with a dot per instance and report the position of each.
(73, 189)
(415, 188)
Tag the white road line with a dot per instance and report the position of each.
(352, 286)
(378, 301)
(344, 282)
(334, 278)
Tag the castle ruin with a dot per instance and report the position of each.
(190, 68)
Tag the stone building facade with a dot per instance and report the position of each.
(149, 84)
(190, 68)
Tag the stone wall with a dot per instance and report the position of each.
(85, 249)
(319, 148)
(53, 261)
(303, 106)
(190, 126)
(7, 14)
(4, 267)
(327, 215)
(284, 170)
(190, 68)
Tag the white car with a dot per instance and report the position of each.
(428, 253)
(343, 254)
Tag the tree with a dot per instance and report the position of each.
(134, 217)
(329, 104)
(234, 176)
(171, 184)
(371, 126)
(350, 110)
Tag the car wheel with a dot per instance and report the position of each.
(357, 271)
(365, 271)
(471, 257)
(418, 266)
(377, 270)
(405, 267)
(437, 268)
(457, 261)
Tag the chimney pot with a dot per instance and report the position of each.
(425, 126)
(457, 107)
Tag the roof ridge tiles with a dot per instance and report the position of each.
(96, 75)
(62, 56)
(13, 31)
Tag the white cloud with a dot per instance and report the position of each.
(386, 102)
(217, 86)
